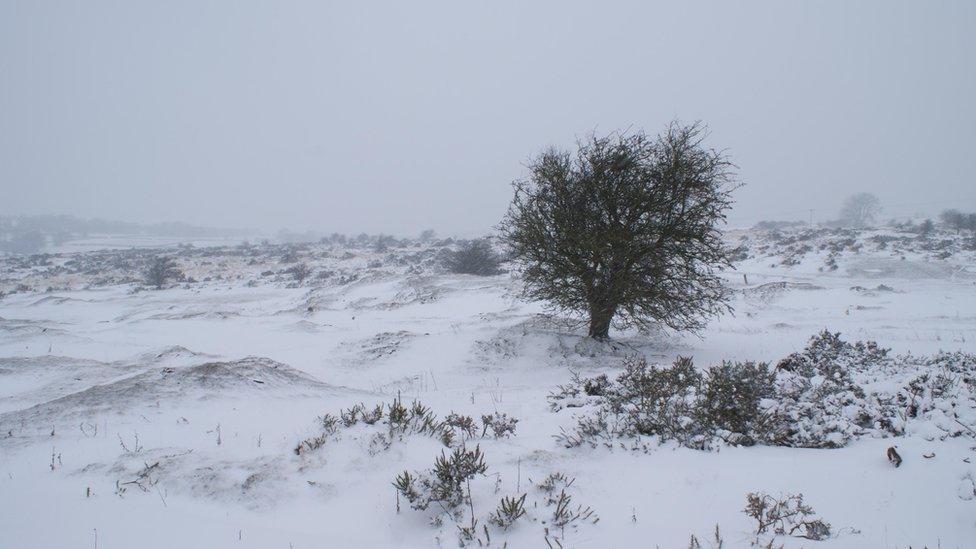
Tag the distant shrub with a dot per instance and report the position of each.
(767, 225)
(299, 272)
(160, 270)
(954, 219)
(474, 257)
(25, 243)
(926, 228)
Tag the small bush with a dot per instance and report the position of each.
(160, 270)
(444, 483)
(656, 401)
(500, 425)
(822, 397)
(829, 357)
(785, 516)
(474, 257)
(395, 421)
(509, 510)
(731, 396)
(299, 272)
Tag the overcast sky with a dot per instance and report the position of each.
(398, 116)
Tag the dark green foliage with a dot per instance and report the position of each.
(656, 401)
(626, 229)
(730, 398)
(474, 257)
(160, 270)
(821, 397)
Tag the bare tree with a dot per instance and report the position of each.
(160, 269)
(926, 227)
(626, 228)
(427, 235)
(954, 219)
(860, 210)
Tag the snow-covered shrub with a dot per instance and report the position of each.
(462, 425)
(833, 359)
(655, 401)
(448, 488)
(382, 425)
(330, 427)
(555, 493)
(500, 425)
(834, 391)
(670, 403)
(729, 403)
(509, 510)
(824, 396)
(785, 516)
(817, 402)
(299, 272)
(644, 400)
(444, 484)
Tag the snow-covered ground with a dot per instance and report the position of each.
(170, 418)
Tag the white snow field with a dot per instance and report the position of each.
(138, 418)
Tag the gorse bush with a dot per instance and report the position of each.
(833, 360)
(731, 398)
(822, 397)
(656, 400)
(671, 403)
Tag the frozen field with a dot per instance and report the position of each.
(134, 418)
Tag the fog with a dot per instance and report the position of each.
(395, 117)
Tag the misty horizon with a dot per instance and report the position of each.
(402, 118)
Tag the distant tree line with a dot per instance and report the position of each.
(959, 221)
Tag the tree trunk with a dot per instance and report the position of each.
(600, 318)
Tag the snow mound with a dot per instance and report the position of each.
(775, 290)
(376, 347)
(249, 377)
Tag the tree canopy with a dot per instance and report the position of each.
(626, 229)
